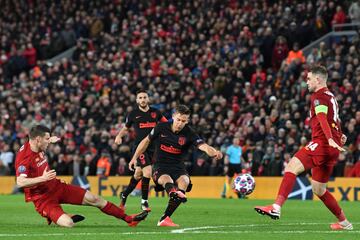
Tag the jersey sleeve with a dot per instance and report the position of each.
(195, 139)
(321, 108)
(160, 117)
(228, 151)
(129, 120)
(321, 105)
(155, 132)
(22, 164)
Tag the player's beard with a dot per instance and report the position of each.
(143, 105)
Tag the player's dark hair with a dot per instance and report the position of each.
(182, 109)
(38, 131)
(320, 71)
(141, 91)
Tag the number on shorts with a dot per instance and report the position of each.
(142, 159)
(312, 146)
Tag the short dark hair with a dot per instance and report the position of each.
(320, 71)
(141, 91)
(182, 109)
(38, 131)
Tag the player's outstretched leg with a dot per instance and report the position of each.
(165, 220)
(112, 210)
(286, 186)
(123, 195)
(294, 168)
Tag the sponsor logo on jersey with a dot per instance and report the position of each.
(147, 125)
(170, 149)
(182, 140)
(41, 163)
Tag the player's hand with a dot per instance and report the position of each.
(226, 169)
(132, 164)
(118, 140)
(54, 139)
(49, 175)
(343, 139)
(333, 144)
(218, 155)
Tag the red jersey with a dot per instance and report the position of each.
(32, 164)
(324, 101)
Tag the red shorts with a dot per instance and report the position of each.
(49, 205)
(321, 165)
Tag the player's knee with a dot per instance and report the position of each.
(184, 182)
(318, 190)
(138, 175)
(295, 166)
(93, 200)
(147, 173)
(68, 222)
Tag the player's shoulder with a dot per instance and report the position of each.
(152, 109)
(321, 96)
(24, 152)
(163, 125)
(189, 129)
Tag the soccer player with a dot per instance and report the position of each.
(319, 155)
(47, 192)
(144, 119)
(173, 141)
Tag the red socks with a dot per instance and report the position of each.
(331, 203)
(286, 186)
(112, 210)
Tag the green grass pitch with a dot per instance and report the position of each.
(198, 218)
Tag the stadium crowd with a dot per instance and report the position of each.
(237, 64)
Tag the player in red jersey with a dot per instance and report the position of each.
(47, 192)
(319, 155)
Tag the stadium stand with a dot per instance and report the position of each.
(238, 64)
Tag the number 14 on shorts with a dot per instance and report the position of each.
(312, 146)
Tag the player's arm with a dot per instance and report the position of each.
(141, 148)
(54, 139)
(23, 181)
(321, 114)
(124, 131)
(210, 151)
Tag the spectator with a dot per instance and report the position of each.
(354, 12)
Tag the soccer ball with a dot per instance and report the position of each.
(244, 184)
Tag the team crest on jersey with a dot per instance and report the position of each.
(153, 114)
(316, 102)
(181, 140)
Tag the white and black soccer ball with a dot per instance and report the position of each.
(244, 184)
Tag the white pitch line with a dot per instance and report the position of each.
(244, 226)
(171, 233)
(194, 230)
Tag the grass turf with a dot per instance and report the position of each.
(198, 219)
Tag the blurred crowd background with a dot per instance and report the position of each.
(237, 64)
